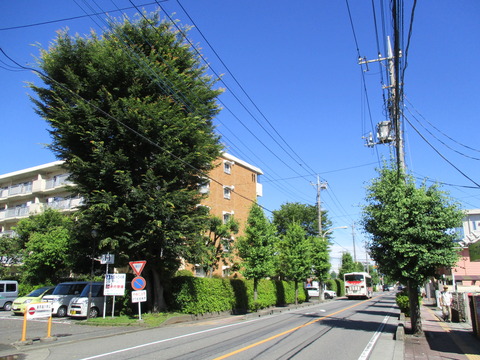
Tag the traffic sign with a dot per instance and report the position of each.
(114, 284)
(138, 283)
(39, 310)
(139, 296)
(137, 266)
(108, 259)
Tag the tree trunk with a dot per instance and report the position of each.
(415, 315)
(159, 303)
(296, 292)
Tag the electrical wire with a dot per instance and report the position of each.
(440, 154)
(133, 131)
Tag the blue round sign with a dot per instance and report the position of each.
(138, 283)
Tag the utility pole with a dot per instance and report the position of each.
(353, 237)
(386, 128)
(320, 185)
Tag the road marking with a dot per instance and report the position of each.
(368, 349)
(288, 331)
(224, 327)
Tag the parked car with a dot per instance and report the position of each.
(314, 292)
(79, 304)
(62, 294)
(329, 294)
(8, 293)
(19, 304)
(387, 287)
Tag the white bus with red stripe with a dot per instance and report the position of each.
(358, 285)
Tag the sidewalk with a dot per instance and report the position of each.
(442, 340)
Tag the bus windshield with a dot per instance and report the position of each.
(354, 277)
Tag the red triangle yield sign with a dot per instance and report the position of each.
(137, 266)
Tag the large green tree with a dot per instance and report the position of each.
(256, 249)
(411, 231)
(131, 114)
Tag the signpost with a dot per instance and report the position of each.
(37, 311)
(114, 286)
(138, 284)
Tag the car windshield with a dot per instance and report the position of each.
(97, 290)
(37, 292)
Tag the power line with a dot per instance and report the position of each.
(135, 132)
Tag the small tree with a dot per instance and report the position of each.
(305, 215)
(256, 248)
(218, 242)
(320, 260)
(295, 250)
(10, 255)
(48, 249)
(348, 265)
(411, 231)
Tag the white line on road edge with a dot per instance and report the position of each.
(169, 339)
(368, 349)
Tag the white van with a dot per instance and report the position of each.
(8, 293)
(79, 304)
(63, 293)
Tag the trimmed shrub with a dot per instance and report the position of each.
(184, 272)
(340, 287)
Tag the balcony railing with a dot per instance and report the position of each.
(57, 181)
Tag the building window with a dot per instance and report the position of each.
(225, 271)
(254, 178)
(199, 271)
(227, 167)
(227, 216)
(227, 192)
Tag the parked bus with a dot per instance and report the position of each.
(358, 284)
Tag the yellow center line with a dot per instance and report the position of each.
(289, 331)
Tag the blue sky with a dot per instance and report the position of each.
(296, 102)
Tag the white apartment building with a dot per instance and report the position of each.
(31, 191)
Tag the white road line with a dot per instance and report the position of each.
(368, 349)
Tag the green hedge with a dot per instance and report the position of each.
(194, 295)
(340, 287)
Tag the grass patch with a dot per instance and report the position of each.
(148, 320)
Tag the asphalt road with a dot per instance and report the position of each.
(339, 329)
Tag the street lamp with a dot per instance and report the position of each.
(330, 230)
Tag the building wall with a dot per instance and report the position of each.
(467, 273)
(30, 191)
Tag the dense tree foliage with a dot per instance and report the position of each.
(305, 215)
(47, 250)
(131, 114)
(410, 231)
(256, 249)
(10, 256)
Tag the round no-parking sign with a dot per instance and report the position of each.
(138, 283)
